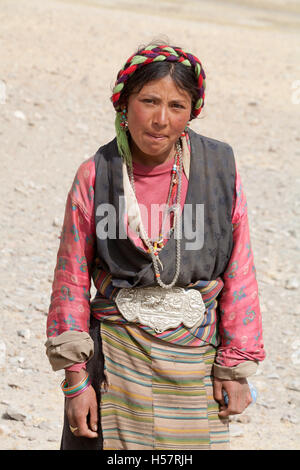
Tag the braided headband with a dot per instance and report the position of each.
(158, 54)
(150, 54)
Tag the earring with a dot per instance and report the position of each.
(187, 126)
(124, 122)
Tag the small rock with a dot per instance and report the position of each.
(2, 353)
(41, 308)
(14, 415)
(244, 419)
(295, 344)
(288, 417)
(25, 333)
(83, 127)
(235, 430)
(31, 185)
(292, 284)
(294, 385)
(44, 426)
(8, 303)
(273, 376)
(13, 385)
(295, 357)
(20, 115)
(16, 360)
(292, 233)
(269, 405)
(56, 222)
(4, 429)
(20, 190)
(294, 402)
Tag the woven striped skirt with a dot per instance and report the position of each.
(157, 395)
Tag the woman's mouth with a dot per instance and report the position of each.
(157, 137)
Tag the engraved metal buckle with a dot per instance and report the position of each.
(161, 309)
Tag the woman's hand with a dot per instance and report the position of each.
(239, 396)
(82, 410)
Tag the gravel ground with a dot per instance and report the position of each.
(59, 60)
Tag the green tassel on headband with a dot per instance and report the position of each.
(122, 140)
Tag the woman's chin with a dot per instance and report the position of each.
(156, 148)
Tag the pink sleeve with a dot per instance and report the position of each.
(240, 317)
(70, 299)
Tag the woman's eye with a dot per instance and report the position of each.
(177, 105)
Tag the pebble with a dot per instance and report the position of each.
(9, 304)
(295, 357)
(242, 418)
(4, 402)
(14, 385)
(24, 333)
(235, 430)
(293, 233)
(292, 284)
(290, 418)
(18, 189)
(294, 402)
(265, 404)
(295, 344)
(81, 126)
(56, 222)
(273, 376)
(44, 426)
(14, 414)
(2, 353)
(294, 385)
(4, 429)
(16, 360)
(20, 115)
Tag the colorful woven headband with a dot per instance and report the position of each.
(158, 54)
(150, 54)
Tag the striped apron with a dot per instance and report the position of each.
(158, 387)
(157, 395)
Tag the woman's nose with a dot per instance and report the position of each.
(161, 116)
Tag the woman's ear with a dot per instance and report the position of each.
(124, 104)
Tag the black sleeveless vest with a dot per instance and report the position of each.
(211, 183)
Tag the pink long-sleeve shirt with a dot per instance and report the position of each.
(240, 325)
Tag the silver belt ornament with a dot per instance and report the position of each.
(161, 309)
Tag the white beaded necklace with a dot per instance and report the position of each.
(176, 225)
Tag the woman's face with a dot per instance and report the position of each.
(156, 116)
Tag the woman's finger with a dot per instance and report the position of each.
(238, 400)
(93, 421)
(83, 429)
(218, 391)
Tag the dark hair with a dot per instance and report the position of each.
(183, 76)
